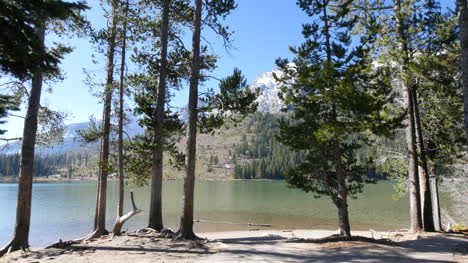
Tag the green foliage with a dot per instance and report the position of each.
(339, 100)
(51, 127)
(138, 162)
(234, 101)
(435, 68)
(21, 51)
(397, 170)
(7, 103)
(91, 134)
(23, 54)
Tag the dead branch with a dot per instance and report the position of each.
(121, 220)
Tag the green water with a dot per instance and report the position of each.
(65, 210)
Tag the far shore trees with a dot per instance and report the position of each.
(339, 101)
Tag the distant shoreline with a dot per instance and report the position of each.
(12, 179)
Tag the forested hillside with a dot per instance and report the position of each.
(65, 165)
(267, 158)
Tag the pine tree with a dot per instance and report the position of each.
(155, 218)
(441, 100)
(165, 62)
(7, 103)
(21, 50)
(186, 221)
(101, 195)
(38, 17)
(336, 94)
(121, 218)
(234, 100)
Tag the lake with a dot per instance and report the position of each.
(65, 210)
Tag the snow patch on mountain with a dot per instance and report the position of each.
(268, 99)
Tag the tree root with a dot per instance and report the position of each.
(96, 234)
(65, 244)
(179, 236)
(167, 233)
(146, 231)
(11, 247)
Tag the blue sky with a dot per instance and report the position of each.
(263, 31)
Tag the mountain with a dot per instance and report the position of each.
(70, 141)
(268, 100)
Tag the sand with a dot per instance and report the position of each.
(260, 246)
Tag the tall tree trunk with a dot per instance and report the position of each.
(415, 202)
(341, 199)
(463, 20)
(435, 199)
(118, 227)
(98, 188)
(186, 221)
(104, 158)
(342, 202)
(155, 215)
(425, 188)
(23, 209)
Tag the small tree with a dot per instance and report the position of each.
(164, 61)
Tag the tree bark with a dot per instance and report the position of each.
(342, 203)
(435, 199)
(118, 225)
(425, 188)
(104, 158)
(155, 215)
(23, 209)
(463, 20)
(186, 221)
(415, 202)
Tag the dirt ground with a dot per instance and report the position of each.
(259, 246)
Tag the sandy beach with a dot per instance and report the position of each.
(259, 246)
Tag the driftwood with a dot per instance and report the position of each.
(121, 220)
(231, 223)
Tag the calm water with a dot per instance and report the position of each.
(65, 210)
